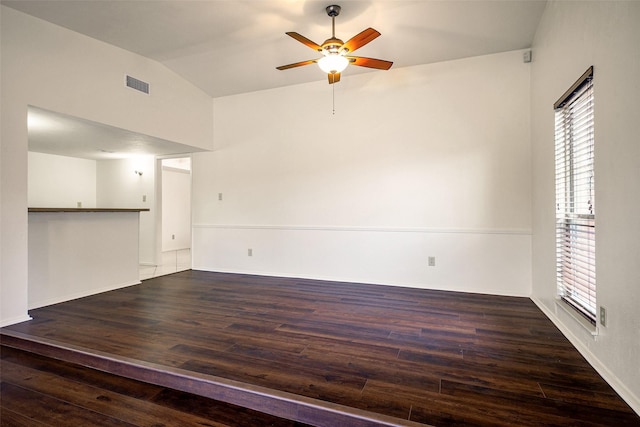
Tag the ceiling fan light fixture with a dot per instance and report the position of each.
(333, 63)
(335, 51)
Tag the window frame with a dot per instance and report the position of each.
(575, 197)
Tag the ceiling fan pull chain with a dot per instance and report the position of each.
(333, 98)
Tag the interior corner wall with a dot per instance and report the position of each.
(48, 66)
(418, 162)
(117, 186)
(61, 181)
(571, 37)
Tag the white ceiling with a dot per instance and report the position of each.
(54, 133)
(228, 47)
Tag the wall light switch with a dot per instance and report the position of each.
(603, 316)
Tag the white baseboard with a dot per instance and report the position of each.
(89, 292)
(14, 320)
(620, 388)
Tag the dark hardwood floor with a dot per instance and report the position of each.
(312, 352)
(40, 391)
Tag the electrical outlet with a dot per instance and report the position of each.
(219, 196)
(173, 237)
(603, 316)
(144, 198)
(249, 252)
(432, 261)
(79, 204)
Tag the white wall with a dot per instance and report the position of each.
(119, 187)
(571, 37)
(61, 182)
(53, 68)
(72, 255)
(176, 209)
(431, 160)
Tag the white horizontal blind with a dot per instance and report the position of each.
(575, 208)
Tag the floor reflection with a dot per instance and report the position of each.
(172, 262)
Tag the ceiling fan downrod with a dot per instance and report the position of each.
(333, 11)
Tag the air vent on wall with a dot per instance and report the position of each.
(136, 84)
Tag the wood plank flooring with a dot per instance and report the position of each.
(39, 391)
(341, 352)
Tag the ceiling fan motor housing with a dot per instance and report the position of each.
(332, 45)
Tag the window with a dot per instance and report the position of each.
(575, 207)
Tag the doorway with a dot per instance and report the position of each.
(174, 218)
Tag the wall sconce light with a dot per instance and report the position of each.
(139, 173)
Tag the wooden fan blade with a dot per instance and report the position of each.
(360, 40)
(334, 78)
(297, 64)
(305, 41)
(379, 64)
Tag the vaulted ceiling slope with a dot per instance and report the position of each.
(227, 47)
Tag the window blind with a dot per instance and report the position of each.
(575, 189)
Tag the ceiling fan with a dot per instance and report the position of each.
(336, 53)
